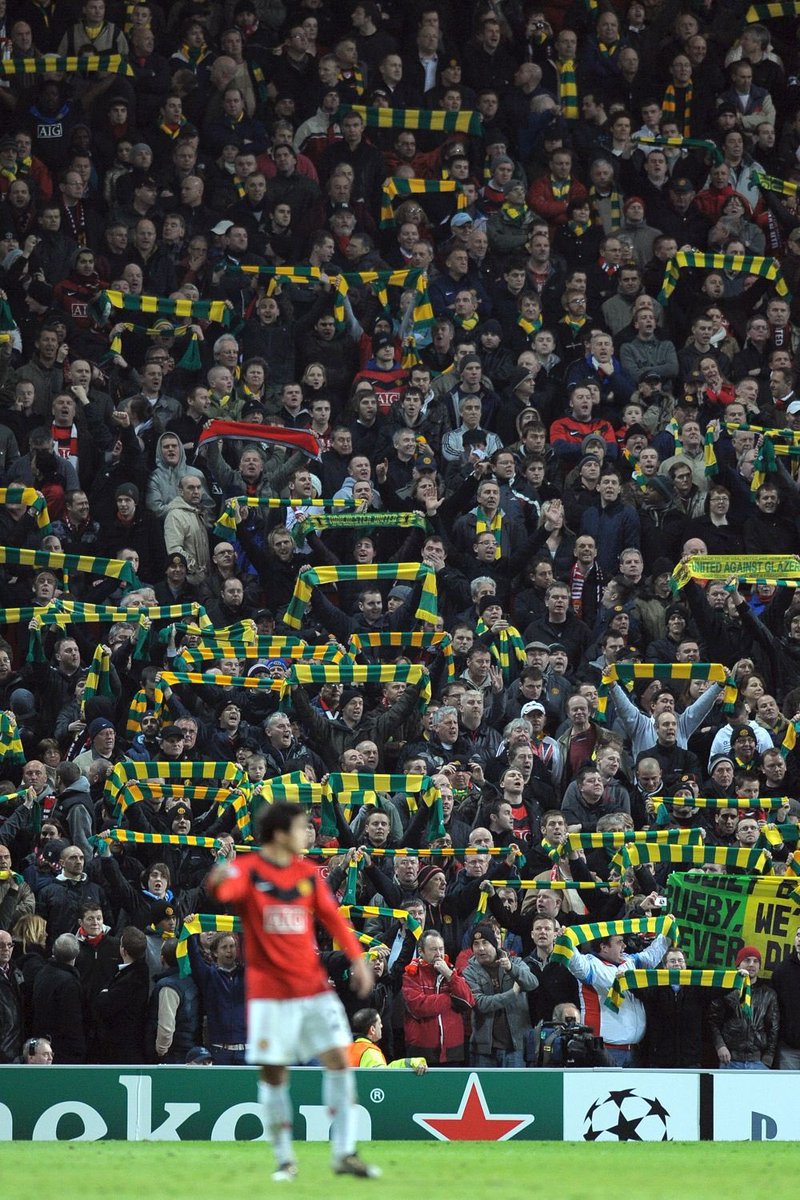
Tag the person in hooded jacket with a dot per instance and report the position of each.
(74, 805)
(170, 468)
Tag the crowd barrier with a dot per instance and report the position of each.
(42, 1103)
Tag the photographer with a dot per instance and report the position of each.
(565, 1042)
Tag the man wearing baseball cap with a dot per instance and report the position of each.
(746, 1042)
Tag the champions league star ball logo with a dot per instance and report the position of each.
(625, 1116)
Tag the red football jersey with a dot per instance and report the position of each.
(277, 907)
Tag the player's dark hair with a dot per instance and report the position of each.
(277, 818)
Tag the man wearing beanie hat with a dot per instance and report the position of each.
(501, 1019)
(742, 1042)
(134, 527)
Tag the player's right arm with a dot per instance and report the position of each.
(226, 882)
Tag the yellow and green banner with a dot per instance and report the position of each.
(718, 914)
(745, 567)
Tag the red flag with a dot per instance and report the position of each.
(278, 435)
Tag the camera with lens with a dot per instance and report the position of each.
(567, 1044)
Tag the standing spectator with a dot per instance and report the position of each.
(173, 1020)
(499, 984)
(746, 1042)
(120, 1009)
(58, 1001)
(436, 998)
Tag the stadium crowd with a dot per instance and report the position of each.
(550, 426)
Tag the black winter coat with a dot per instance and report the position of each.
(747, 1040)
(120, 1016)
(58, 1009)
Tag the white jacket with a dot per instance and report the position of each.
(626, 1027)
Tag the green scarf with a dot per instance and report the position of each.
(83, 64)
(365, 520)
(424, 641)
(568, 92)
(745, 264)
(319, 576)
(435, 119)
(639, 978)
(509, 642)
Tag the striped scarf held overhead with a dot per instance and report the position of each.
(568, 91)
(740, 802)
(774, 9)
(357, 673)
(227, 521)
(739, 264)
(790, 738)
(626, 672)
(484, 525)
(84, 64)
(137, 837)
(373, 910)
(427, 610)
(681, 143)
(394, 186)
(10, 744)
(98, 677)
(670, 105)
(126, 770)
(619, 838)
(216, 679)
(509, 642)
(747, 568)
(202, 923)
(420, 786)
(769, 183)
(422, 641)
(32, 500)
(197, 310)
(636, 979)
(263, 647)
(111, 568)
(437, 120)
(664, 804)
(573, 936)
(359, 520)
(140, 705)
(754, 862)
(132, 792)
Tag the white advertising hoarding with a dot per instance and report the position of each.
(631, 1106)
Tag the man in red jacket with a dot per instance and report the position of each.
(435, 997)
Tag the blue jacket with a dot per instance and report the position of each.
(222, 994)
(614, 529)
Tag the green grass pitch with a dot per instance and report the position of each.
(412, 1171)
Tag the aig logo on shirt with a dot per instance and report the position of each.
(55, 130)
(284, 918)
